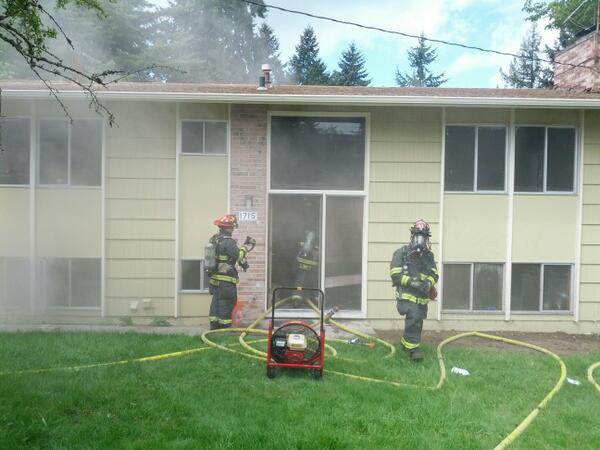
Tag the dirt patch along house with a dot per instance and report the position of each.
(100, 223)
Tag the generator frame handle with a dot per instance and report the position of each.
(320, 293)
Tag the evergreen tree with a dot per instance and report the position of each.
(213, 41)
(419, 58)
(117, 38)
(268, 52)
(305, 67)
(527, 71)
(352, 70)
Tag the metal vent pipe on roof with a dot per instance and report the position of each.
(266, 70)
(261, 84)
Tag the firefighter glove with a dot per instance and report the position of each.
(423, 286)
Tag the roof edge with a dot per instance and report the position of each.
(315, 99)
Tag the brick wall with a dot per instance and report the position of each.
(584, 52)
(249, 178)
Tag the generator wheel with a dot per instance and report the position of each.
(317, 374)
(271, 372)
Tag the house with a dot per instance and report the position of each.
(578, 65)
(99, 223)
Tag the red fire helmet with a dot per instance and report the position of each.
(227, 221)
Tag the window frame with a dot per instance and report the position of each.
(472, 288)
(203, 274)
(364, 193)
(506, 127)
(540, 309)
(576, 160)
(29, 156)
(203, 152)
(44, 278)
(69, 139)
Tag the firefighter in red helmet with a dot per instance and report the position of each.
(224, 277)
(414, 275)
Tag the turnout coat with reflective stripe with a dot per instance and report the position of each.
(405, 267)
(228, 254)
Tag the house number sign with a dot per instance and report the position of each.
(247, 216)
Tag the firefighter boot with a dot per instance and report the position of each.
(416, 354)
(214, 325)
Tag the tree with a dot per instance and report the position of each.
(569, 17)
(352, 70)
(527, 71)
(214, 41)
(29, 27)
(419, 58)
(268, 52)
(121, 41)
(305, 67)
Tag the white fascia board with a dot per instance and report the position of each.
(367, 100)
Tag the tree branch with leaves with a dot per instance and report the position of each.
(30, 26)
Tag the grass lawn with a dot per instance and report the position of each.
(215, 399)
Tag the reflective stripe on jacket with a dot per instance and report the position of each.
(404, 267)
(227, 255)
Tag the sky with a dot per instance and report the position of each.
(495, 24)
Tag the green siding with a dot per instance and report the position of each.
(405, 155)
(140, 208)
(481, 217)
(590, 236)
(477, 116)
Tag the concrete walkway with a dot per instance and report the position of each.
(330, 331)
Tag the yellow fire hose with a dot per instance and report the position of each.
(261, 356)
(111, 363)
(256, 354)
(590, 375)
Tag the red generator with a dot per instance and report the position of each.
(295, 343)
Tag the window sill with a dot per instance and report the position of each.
(548, 193)
(23, 186)
(220, 155)
(190, 291)
(475, 313)
(476, 192)
(74, 308)
(66, 186)
(541, 313)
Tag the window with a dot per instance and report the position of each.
(317, 153)
(544, 159)
(472, 287)
(204, 137)
(316, 237)
(14, 153)
(193, 275)
(70, 154)
(475, 158)
(541, 287)
(14, 284)
(71, 282)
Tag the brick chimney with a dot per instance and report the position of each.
(584, 51)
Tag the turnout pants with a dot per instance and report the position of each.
(413, 322)
(223, 302)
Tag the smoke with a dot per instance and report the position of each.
(49, 225)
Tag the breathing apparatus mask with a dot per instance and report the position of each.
(419, 237)
(419, 243)
(309, 243)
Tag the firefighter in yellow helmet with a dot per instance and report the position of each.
(224, 279)
(414, 275)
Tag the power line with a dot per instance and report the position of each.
(413, 36)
